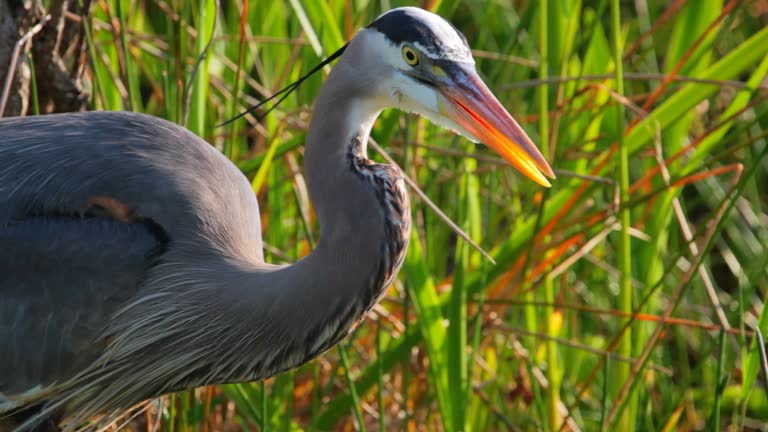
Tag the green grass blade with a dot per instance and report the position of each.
(206, 19)
(621, 370)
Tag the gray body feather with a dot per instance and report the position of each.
(65, 276)
(97, 314)
(61, 281)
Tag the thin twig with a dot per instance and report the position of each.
(632, 76)
(490, 55)
(684, 282)
(580, 346)
(15, 59)
(760, 342)
(680, 322)
(677, 207)
(455, 228)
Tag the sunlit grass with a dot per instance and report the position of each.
(541, 339)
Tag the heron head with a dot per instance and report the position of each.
(422, 64)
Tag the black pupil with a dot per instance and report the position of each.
(409, 55)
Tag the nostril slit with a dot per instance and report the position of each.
(396, 95)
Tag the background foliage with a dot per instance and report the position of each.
(623, 298)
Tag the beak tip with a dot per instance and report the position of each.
(545, 171)
(542, 164)
(537, 175)
(550, 173)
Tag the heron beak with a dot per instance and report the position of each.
(470, 103)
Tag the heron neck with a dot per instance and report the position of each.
(287, 315)
(338, 133)
(364, 218)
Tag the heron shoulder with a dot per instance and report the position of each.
(160, 169)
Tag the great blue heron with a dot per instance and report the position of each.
(131, 257)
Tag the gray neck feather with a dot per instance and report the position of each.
(364, 219)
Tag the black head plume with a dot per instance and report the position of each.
(287, 90)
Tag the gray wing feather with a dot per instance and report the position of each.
(61, 281)
(63, 278)
(54, 163)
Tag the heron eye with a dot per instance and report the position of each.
(410, 56)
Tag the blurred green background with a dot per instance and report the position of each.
(623, 298)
